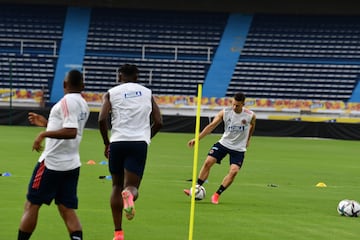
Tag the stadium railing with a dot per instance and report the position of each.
(22, 45)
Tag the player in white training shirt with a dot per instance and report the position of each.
(239, 125)
(132, 109)
(57, 171)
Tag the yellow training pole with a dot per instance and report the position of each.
(196, 150)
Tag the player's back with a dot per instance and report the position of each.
(130, 108)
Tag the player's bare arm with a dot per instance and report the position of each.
(37, 119)
(64, 133)
(252, 129)
(209, 128)
(156, 118)
(103, 119)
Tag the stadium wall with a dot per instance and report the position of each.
(186, 124)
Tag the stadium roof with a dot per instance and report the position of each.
(244, 6)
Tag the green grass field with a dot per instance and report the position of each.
(248, 210)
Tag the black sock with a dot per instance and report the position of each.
(77, 235)
(200, 182)
(23, 235)
(221, 189)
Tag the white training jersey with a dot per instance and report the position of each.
(71, 111)
(236, 129)
(131, 107)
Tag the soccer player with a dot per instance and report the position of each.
(135, 119)
(239, 125)
(57, 171)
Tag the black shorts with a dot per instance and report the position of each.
(218, 151)
(46, 185)
(129, 155)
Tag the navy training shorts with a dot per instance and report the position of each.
(46, 185)
(129, 155)
(219, 151)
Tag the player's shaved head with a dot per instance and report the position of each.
(240, 97)
(74, 81)
(128, 73)
(75, 78)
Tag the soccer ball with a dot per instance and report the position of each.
(349, 208)
(200, 192)
(356, 209)
(344, 207)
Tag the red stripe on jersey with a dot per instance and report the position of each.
(247, 111)
(64, 107)
(38, 176)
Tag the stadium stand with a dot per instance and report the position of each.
(172, 49)
(303, 36)
(299, 57)
(284, 56)
(29, 43)
(161, 75)
(295, 80)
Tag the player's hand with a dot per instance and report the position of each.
(191, 143)
(37, 119)
(107, 151)
(37, 143)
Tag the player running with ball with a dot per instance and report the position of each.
(239, 125)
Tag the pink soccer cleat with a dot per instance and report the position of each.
(187, 192)
(215, 198)
(129, 207)
(119, 235)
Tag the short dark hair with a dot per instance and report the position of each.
(75, 78)
(239, 97)
(129, 70)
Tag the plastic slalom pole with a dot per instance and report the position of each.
(195, 163)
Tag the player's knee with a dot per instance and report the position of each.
(62, 210)
(234, 170)
(209, 162)
(29, 206)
